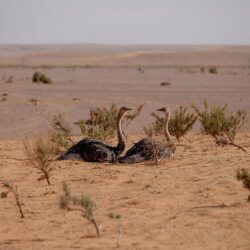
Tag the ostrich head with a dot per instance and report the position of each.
(165, 110)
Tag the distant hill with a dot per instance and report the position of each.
(123, 55)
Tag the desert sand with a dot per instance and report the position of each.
(193, 201)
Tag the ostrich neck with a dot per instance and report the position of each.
(166, 131)
(121, 141)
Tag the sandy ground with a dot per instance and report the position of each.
(191, 202)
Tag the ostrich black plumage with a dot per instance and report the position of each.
(93, 150)
(148, 148)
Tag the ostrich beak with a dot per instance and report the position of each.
(161, 109)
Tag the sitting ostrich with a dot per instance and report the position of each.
(149, 149)
(93, 150)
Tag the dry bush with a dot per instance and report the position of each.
(103, 121)
(180, 123)
(86, 204)
(12, 189)
(213, 70)
(221, 124)
(244, 176)
(10, 79)
(117, 217)
(61, 135)
(40, 156)
(40, 77)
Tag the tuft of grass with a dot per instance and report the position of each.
(117, 217)
(102, 121)
(12, 189)
(41, 78)
(221, 124)
(244, 176)
(86, 204)
(61, 134)
(40, 156)
(212, 70)
(180, 124)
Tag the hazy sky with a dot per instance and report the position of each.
(125, 21)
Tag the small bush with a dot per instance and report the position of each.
(86, 204)
(212, 70)
(12, 189)
(10, 79)
(165, 84)
(102, 121)
(61, 134)
(40, 156)
(180, 123)
(244, 176)
(220, 123)
(40, 77)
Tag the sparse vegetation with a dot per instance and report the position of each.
(117, 217)
(102, 121)
(180, 123)
(9, 79)
(244, 176)
(165, 84)
(12, 189)
(40, 156)
(86, 204)
(221, 124)
(34, 101)
(40, 77)
(213, 70)
(61, 134)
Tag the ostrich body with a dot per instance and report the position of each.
(149, 149)
(94, 150)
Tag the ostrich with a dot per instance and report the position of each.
(148, 148)
(93, 150)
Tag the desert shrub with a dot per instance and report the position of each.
(165, 84)
(61, 135)
(244, 176)
(10, 79)
(102, 121)
(212, 70)
(40, 156)
(40, 77)
(10, 188)
(180, 123)
(86, 204)
(220, 123)
(117, 217)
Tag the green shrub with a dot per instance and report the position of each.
(244, 176)
(220, 123)
(61, 135)
(102, 121)
(180, 123)
(40, 77)
(86, 204)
